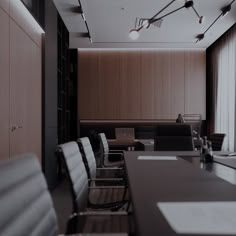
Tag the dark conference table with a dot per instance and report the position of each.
(153, 181)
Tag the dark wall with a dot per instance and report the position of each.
(50, 138)
(37, 9)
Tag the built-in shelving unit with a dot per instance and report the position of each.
(67, 86)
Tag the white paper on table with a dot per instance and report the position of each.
(225, 157)
(200, 217)
(158, 158)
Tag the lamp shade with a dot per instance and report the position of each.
(134, 34)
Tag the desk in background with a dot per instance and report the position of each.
(136, 144)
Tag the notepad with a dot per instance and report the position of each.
(225, 157)
(157, 158)
(200, 217)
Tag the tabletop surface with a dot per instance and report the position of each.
(153, 181)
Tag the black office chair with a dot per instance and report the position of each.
(89, 197)
(26, 205)
(217, 140)
(173, 137)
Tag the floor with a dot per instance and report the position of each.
(63, 203)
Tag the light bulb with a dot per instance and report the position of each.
(145, 24)
(134, 34)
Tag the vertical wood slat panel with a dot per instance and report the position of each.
(4, 88)
(108, 88)
(195, 83)
(130, 85)
(177, 83)
(88, 86)
(148, 88)
(152, 84)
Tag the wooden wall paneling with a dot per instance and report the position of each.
(34, 101)
(5, 5)
(4, 85)
(148, 75)
(166, 84)
(20, 66)
(108, 76)
(152, 84)
(177, 83)
(22, 18)
(88, 85)
(130, 85)
(195, 83)
(159, 105)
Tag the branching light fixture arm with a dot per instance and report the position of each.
(162, 10)
(134, 33)
(224, 11)
(156, 19)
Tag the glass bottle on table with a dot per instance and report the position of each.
(209, 153)
(204, 149)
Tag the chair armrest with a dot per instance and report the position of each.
(105, 179)
(110, 168)
(103, 213)
(115, 153)
(108, 187)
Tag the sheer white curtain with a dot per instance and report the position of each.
(224, 74)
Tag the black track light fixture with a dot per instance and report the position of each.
(85, 21)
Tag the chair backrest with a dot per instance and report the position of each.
(26, 205)
(77, 174)
(88, 157)
(105, 146)
(173, 137)
(217, 140)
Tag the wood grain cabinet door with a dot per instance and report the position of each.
(4, 85)
(25, 93)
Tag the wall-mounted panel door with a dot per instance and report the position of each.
(5, 5)
(20, 66)
(4, 85)
(34, 102)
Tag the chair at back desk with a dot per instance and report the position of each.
(173, 137)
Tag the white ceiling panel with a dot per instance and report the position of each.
(110, 21)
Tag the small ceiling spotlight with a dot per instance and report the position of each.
(225, 10)
(188, 4)
(200, 37)
(86, 24)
